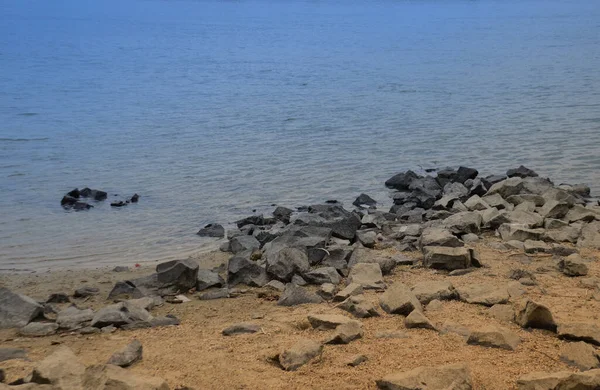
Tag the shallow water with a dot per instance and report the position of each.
(210, 109)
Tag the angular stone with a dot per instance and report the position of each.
(367, 275)
(531, 246)
(565, 234)
(350, 290)
(12, 353)
(439, 237)
(241, 328)
(589, 380)
(212, 230)
(475, 203)
(120, 314)
(494, 337)
(323, 275)
(554, 209)
(17, 310)
(38, 329)
(128, 355)
(464, 222)
(180, 275)
(529, 314)
(398, 299)
(529, 219)
(109, 376)
(243, 243)
(342, 223)
(581, 213)
(359, 307)
(284, 263)
(492, 218)
(208, 278)
(368, 238)
(328, 321)
(522, 172)
(417, 319)
(295, 295)
(580, 331)
(507, 188)
(365, 255)
(346, 333)
(538, 200)
(430, 290)
(590, 236)
(580, 355)
(497, 201)
(299, 354)
(327, 291)
(356, 360)
(519, 232)
(439, 257)
(448, 377)
(502, 312)
(573, 265)
(245, 271)
(61, 369)
(483, 294)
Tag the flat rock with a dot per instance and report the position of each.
(17, 310)
(328, 321)
(207, 279)
(588, 380)
(327, 291)
(295, 295)
(38, 329)
(417, 319)
(350, 290)
(439, 257)
(391, 334)
(359, 307)
(241, 328)
(346, 333)
(529, 314)
(283, 264)
(61, 369)
(398, 299)
(128, 355)
(504, 313)
(590, 236)
(430, 290)
(494, 337)
(531, 246)
(447, 377)
(573, 265)
(356, 360)
(456, 328)
(439, 237)
(579, 331)
(483, 294)
(367, 275)
(12, 353)
(299, 354)
(464, 222)
(323, 275)
(519, 232)
(581, 355)
(366, 255)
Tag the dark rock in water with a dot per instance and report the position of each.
(95, 194)
(68, 201)
(82, 206)
(257, 220)
(522, 172)
(179, 274)
(129, 355)
(295, 295)
(463, 174)
(135, 198)
(493, 179)
(207, 279)
(245, 271)
(332, 201)
(212, 230)
(17, 310)
(125, 290)
(119, 204)
(58, 298)
(401, 181)
(85, 292)
(282, 214)
(73, 193)
(364, 199)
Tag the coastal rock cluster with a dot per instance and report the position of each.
(72, 200)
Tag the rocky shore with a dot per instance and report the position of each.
(466, 282)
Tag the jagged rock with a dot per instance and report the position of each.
(398, 299)
(282, 214)
(507, 188)
(538, 200)
(470, 238)
(492, 218)
(589, 380)
(346, 333)
(367, 275)
(522, 172)
(299, 280)
(580, 331)
(440, 257)
(286, 262)
(554, 209)
(342, 223)
(562, 196)
(475, 203)
(417, 319)
(299, 354)
(323, 275)
(241, 328)
(125, 290)
(581, 213)
(496, 201)
(350, 290)
(494, 337)
(364, 200)
(580, 355)
(120, 314)
(179, 275)
(563, 234)
(447, 377)
(327, 291)
(328, 321)
(207, 278)
(365, 255)
(401, 181)
(367, 238)
(529, 219)
(590, 236)
(38, 329)
(531, 246)
(105, 376)
(359, 307)
(17, 310)
(430, 290)
(525, 207)
(61, 369)
(73, 318)
(502, 312)
(356, 360)
(337, 257)
(212, 230)
(573, 265)
(295, 295)
(243, 243)
(439, 237)
(12, 353)
(519, 232)
(483, 294)
(464, 222)
(310, 239)
(529, 314)
(128, 355)
(245, 271)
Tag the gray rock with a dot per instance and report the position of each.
(538, 200)
(502, 312)
(579, 331)
(365, 255)
(86, 291)
(367, 238)
(243, 243)
(178, 275)
(121, 268)
(208, 278)
(120, 314)
(328, 321)
(531, 246)
(464, 222)
(241, 270)
(496, 201)
(359, 307)
(17, 310)
(494, 337)
(214, 294)
(12, 353)
(398, 299)
(492, 218)
(38, 329)
(483, 294)
(342, 223)
(564, 234)
(346, 333)
(527, 207)
(241, 328)
(554, 209)
(581, 213)
(356, 360)
(337, 257)
(327, 291)
(573, 265)
(125, 290)
(299, 354)
(521, 172)
(401, 181)
(127, 356)
(212, 230)
(427, 291)
(282, 214)
(295, 295)
(275, 285)
(417, 319)
(284, 263)
(508, 187)
(519, 232)
(62, 369)
(470, 238)
(299, 280)
(529, 219)
(350, 290)
(323, 275)
(529, 314)
(439, 237)
(448, 377)
(475, 203)
(590, 236)
(580, 355)
(560, 380)
(446, 258)
(367, 275)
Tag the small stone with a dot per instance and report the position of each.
(345, 333)
(532, 246)
(368, 275)
(214, 294)
(417, 319)
(530, 314)
(212, 230)
(86, 291)
(359, 307)
(448, 377)
(38, 329)
(348, 291)
(573, 265)
(328, 321)
(580, 355)
(453, 327)
(356, 360)
(398, 299)
(241, 328)
(580, 331)
(434, 305)
(430, 290)
(502, 312)
(129, 355)
(494, 337)
(299, 354)
(120, 268)
(108, 329)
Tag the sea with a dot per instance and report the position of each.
(213, 110)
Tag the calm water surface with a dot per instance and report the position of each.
(210, 109)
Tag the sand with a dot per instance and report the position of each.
(195, 354)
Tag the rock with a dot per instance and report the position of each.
(73, 318)
(391, 334)
(531, 246)
(350, 290)
(430, 290)
(286, 262)
(127, 356)
(590, 236)
(554, 209)
(241, 328)
(295, 295)
(515, 289)
(207, 278)
(105, 376)
(120, 314)
(398, 299)
(367, 275)
(95, 194)
(589, 380)
(581, 213)
(62, 369)
(580, 355)
(494, 337)
(448, 377)
(364, 200)
(368, 238)
(275, 285)
(12, 353)
(475, 203)
(328, 321)
(125, 290)
(243, 243)
(241, 270)
(464, 222)
(528, 219)
(323, 275)
(299, 280)
(453, 327)
(439, 257)
(492, 218)
(120, 268)
(565, 234)
(401, 181)
(483, 294)
(507, 188)
(439, 237)
(299, 354)
(502, 312)
(538, 200)
(17, 310)
(179, 275)
(282, 214)
(530, 314)
(327, 291)
(519, 232)
(356, 360)
(496, 201)
(212, 230)
(342, 223)
(359, 307)
(337, 257)
(521, 172)
(38, 329)
(256, 220)
(417, 319)
(573, 265)
(364, 255)
(579, 331)
(58, 298)
(470, 238)
(346, 333)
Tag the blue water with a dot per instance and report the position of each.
(210, 109)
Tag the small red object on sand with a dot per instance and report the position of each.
(137, 265)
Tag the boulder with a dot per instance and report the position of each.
(401, 181)
(243, 243)
(295, 295)
(346, 333)
(128, 355)
(529, 219)
(494, 337)
(323, 275)
(529, 314)
(367, 275)
(17, 310)
(581, 213)
(350, 290)
(359, 307)
(580, 355)
(417, 319)
(125, 290)
(447, 377)
(519, 232)
(179, 275)
(398, 299)
(282, 214)
(286, 262)
(240, 328)
(589, 380)
(579, 331)
(483, 294)
(310, 239)
(475, 203)
(507, 188)
(245, 271)
(573, 265)
(464, 222)
(299, 354)
(365, 255)
(212, 230)
(208, 278)
(498, 202)
(554, 209)
(492, 218)
(439, 237)
(109, 376)
(368, 238)
(337, 257)
(531, 246)
(528, 207)
(62, 369)
(501, 312)
(590, 236)
(73, 318)
(440, 257)
(427, 291)
(120, 314)
(38, 329)
(364, 200)
(342, 223)
(563, 234)
(521, 172)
